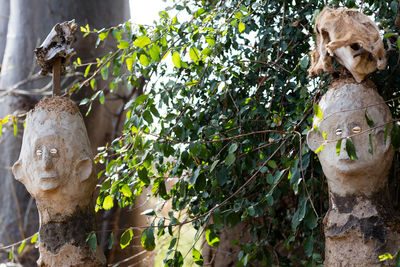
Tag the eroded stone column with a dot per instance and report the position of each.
(360, 224)
(56, 167)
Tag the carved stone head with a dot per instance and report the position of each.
(55, 163)
(351, 38)
(345, 110)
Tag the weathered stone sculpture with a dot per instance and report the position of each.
(360, 224)
(56, 167)
(351, 38)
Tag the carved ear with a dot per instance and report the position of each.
(17, 171)
(83, 169)
(314, 140)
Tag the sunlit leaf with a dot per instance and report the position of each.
(241, 27)
(212, 238)
(142, 41)
(197, 257)
(126, 238)
(108, 202)
(176, 59)
(318, 112)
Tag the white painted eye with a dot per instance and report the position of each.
(53, 151)
(338, 132)
(357, 129)
(39, 152)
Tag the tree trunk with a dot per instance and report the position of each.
(4, 13)
(30, 21)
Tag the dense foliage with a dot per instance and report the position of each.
(224, 106)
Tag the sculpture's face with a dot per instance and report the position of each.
(49, 162)
(54, 159)
(354, 124)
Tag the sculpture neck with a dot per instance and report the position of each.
(72, 229)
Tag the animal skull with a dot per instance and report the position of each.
(351, 38)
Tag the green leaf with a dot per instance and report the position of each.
(144, 60)
(129, 63)
(308, 245)
(101, 97)
(147, 116)
(194, 54)
(398, 259)
(84, 101)
(351, 150)
(395, 136)
(92, 241)
(126, 238)
(398, 43)
(123, 44)
(241, 27)
(230, 159)
(272, 164)
(21, 247)
(304, 62)
(195, 174)
(111, 241)
(148, 212)
(126, 190)
(371, 146)
(176, 59)
(324, 135)
(143, 176)
(320, 148)
(197, 257)
(104, 72)
(338, 146)
(212, 238)
(142, 41)
(214, 164)
(34, 238)
(318, 112)
(87, 70)
(370, 122)
(93, 83)
(210, 40)
(155, 52)
(103, 35)
(233, 148)
(108, 202)
(147, 239)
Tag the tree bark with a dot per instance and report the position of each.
(4, 13)
(30, 21)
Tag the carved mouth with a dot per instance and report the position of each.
(48, 177)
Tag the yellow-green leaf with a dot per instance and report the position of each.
(176, 59)
(108, 202)
(241, 27)
(318, 112)
(34, 238)
(142, 41)
(126, 190)
(144, 60)
(194, 54)
(123, 44)
(126, 238)
(320, 148)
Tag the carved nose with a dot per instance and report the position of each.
(343, 152)
(47, 160)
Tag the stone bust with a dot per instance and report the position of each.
(359, 223)
(56, 167)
